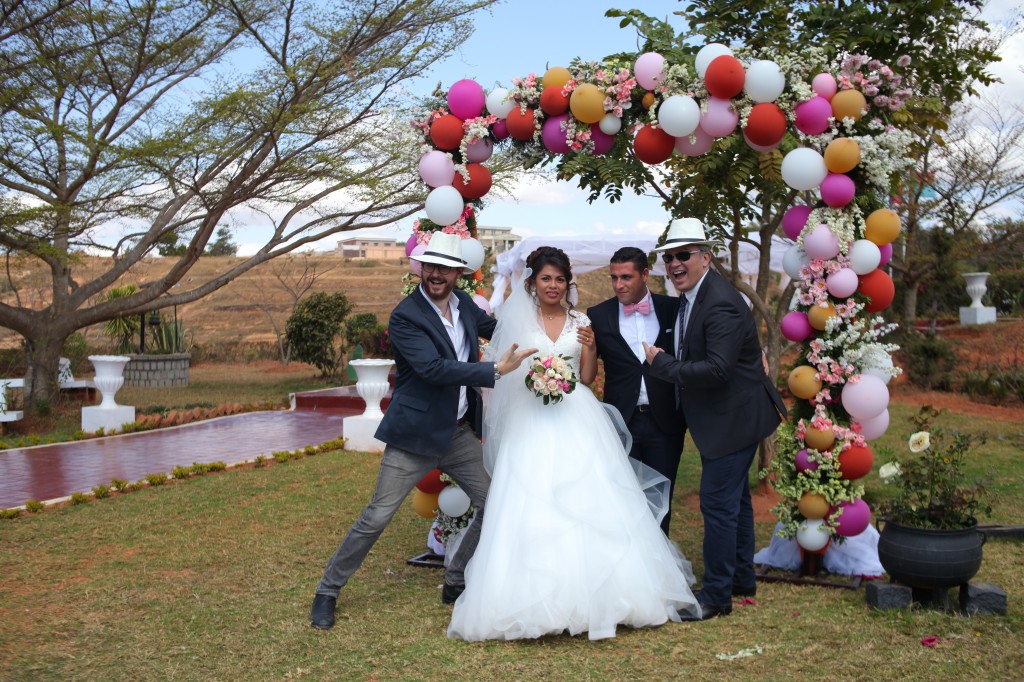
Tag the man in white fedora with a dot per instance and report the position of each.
(728, 402)
(428, 423)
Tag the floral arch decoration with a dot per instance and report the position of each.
(839, 125)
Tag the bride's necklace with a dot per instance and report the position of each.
(551, 317)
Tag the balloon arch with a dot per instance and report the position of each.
(843, 153)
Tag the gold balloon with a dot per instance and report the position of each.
(818, 316)
(424, 504)
(648, 100)
(848, 104)
(882, 226)
(556, 77)
(587, 103)
(842, 155)
(821, 440)
(803, 383)
(813, 506)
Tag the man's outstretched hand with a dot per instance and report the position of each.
(513, 358)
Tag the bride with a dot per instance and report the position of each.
(569, 542)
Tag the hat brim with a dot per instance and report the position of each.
(442, 259)
(676, 243)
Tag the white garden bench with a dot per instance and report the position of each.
(5, 414)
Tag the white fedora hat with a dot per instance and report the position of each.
(444, 249)
(684, 232)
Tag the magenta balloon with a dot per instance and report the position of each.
(824, 85)
(842, 283)
(410, 244)
(696, 144)
(479, 151)
(796, 327)
(415, 265)
(812, 116)
(821, 242)
(803, 462)
(500, 129)
(873, 428)
(865, 399)
(553, 136)
(794, 220)
(837, 189)
(466, 99)
(602, 140)
(648, 70)
(718, 118)
(886, 251)
(855, 518)
(437, 168)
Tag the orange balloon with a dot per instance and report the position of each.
(803, 383)
(446, 132)
(813, 506)
(821, 440)
(424, 504)
(856, 462)
(882, 226)
(553, 101)
(877, 286)
(818, 316)
(556, 77)
(520, 125)
(653, 145)
(479, 181)
(648, 100)
(842, 155)
(587, 103)
(848, 104)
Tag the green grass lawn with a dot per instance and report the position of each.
(211, 579)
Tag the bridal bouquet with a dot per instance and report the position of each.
(551, 377)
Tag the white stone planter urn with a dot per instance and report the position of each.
(976, 313)
(976, 287)
(372, 383)
(108, 415)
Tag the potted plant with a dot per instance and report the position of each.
(930, 539)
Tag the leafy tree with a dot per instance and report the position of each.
(222, 245)
(127, 116)
(316, 331)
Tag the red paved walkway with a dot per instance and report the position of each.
(47, 472)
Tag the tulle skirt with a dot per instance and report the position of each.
(569, 543)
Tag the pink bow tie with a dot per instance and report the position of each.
(643, 307)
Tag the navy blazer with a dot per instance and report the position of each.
(421, 416)
(728, 400)
(622, 369)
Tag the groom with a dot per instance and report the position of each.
(428, 424)
(648, 405)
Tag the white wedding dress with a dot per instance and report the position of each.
(569, 542)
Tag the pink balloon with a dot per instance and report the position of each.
(696, 144)
(855, 518)
(796, 327)
(602, 140)
(821, 242)
(837, 190)
(794, 220)
(552, 134)
(500, 129)
(842, 283)
(803, 462)
(865, 399)
(415, 265)
(648, 70)
(812, 116)
(479, 151)
(874, 428)
(886, 251)
(824, 85)
(718, 118)
(436, 168)
(482, 303)
(760, 147)
(466, 99)
(410, 244)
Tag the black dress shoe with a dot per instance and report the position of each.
(738, 591)
(322, 614)
(707, 611)
(451, 592)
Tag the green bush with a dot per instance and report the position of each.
(181, 473)
(76, 349)
(10, 513)
(79, 498)
(119, 484)
(217, 466)
(1005, 290)
(34, 506)
(156, 479)
(315, 330)
(101, 491)
(929, 360)
(986, 384)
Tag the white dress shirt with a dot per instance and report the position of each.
(637, 329)
(457, 334)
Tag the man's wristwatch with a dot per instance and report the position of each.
(497, 374)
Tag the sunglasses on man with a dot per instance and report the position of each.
(682, 256)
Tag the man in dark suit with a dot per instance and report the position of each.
(621, 326)
(729, 403)
(428, 424)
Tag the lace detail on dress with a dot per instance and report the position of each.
(567, 344)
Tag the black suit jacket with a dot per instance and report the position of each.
(728, 400)
(428, 375)
(622, 369)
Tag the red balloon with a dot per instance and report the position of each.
(653, 145)
(431, 483)
(856, 462)
(877, 286)
(553, 101)
(520, 125)
(479, 181)
(724, 77)
(446, 132)
(766, 124)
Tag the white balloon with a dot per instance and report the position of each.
(707, 54)
(610, 124)
(864, 256)
(473, 254)
(877, 363)
(497, 103)
(794, 260)
(679, 115)
(764, 81)
(444, 205)
(811, 535)
(803, 169)
(453, 501)
(874, 428)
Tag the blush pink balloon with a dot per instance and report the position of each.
(482, 303)
(553, 135)
(794, 220)
(886, 251)
(842, 283)
(415, 265)
(695, 145)
(718, 118)
(824, 85)
(796, 327)
(602, 140)
(854, 519)
(837, 189)
(821, 242)
(812, 116)
(873, 428)
(479, 151)
(803, 462)
(436, 168)
(466, 99)
(410, 244)
(648, 69)
(865, 399)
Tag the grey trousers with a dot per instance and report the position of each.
(400, 471)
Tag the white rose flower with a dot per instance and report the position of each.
(889, 471)
(920, 441)
(538, 385)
